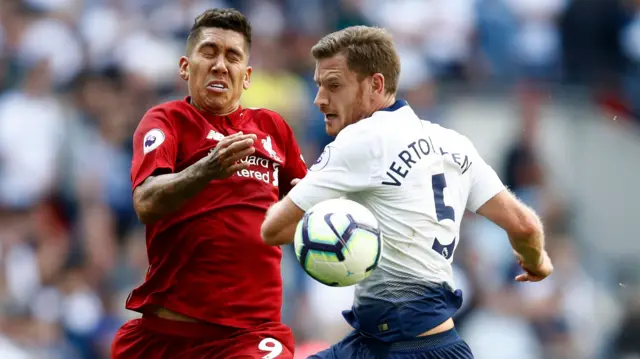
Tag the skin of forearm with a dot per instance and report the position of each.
(529, 242)
(163, 194)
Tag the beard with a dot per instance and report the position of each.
(358, 110)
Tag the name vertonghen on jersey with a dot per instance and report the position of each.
(415, 151)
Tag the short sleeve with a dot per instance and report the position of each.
(295, 166)
(345, 166)
(484, 181)
(155, 147)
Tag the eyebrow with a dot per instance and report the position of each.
(214, 44)
(327, 78)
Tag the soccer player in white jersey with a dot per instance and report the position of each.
(417, 178)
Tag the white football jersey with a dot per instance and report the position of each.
(417, 178)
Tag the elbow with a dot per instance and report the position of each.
(268, 234)
(144, 206)
(269, 230)
(144, 211)
(144, 216)
(144, 219)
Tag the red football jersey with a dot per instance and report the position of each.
(207, 259)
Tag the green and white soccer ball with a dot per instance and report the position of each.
(338, 242)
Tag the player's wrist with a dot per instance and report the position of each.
(201, 172)
(531, 257)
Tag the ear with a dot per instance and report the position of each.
(184, 68)
(377, 83)
(247, 78)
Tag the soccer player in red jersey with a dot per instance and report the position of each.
(205, 171)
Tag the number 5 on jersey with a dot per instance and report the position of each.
(439, 183)
(272, 346)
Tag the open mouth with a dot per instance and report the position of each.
(330, 116)
(217, 86)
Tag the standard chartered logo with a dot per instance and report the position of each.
(261, 169)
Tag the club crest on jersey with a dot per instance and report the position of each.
(214, 135)
(322, 161)
(152, 140)
(268, 146)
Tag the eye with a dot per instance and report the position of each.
(334, 86)
(209, 53)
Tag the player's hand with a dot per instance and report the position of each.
(225, 158)
(535, 273)
(294, 182)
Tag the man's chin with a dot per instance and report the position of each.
(331, 131)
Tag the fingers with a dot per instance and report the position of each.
(295, 181)
(225, 159)
(526, 277)
(237, 156)
(236, 151)
(233, 151)
(235, 138)
(230, 151)
(237, 167)
(240, 144)
(529, 277)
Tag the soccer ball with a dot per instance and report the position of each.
(338, 242)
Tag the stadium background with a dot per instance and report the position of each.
(547, 89)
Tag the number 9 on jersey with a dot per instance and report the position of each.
(272, 346)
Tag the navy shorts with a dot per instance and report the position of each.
(446, 345)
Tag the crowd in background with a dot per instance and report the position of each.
(76, 77)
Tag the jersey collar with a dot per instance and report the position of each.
(234, 116)
(395, 106)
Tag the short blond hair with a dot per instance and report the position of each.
(368, 50)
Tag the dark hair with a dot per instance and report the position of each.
(368, 50)
(227, 19)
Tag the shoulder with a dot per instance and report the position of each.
(264, 116)
(169, 108)
(268, 120)
(364, 130)
(451, 137)
(459, 140)
(170, 114)
(360, 141)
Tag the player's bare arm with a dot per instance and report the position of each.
(160, 195)
(279, 226)
(525, 232)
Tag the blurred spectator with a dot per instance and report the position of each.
(630, 41)
(29, 148)
(626, 341)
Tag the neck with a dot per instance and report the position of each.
(386, 102)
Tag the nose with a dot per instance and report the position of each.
(321, 98)
(219, 65)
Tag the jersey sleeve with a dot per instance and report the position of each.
(294, 163)
(484, 181)
(155, 147)
(346, 165)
